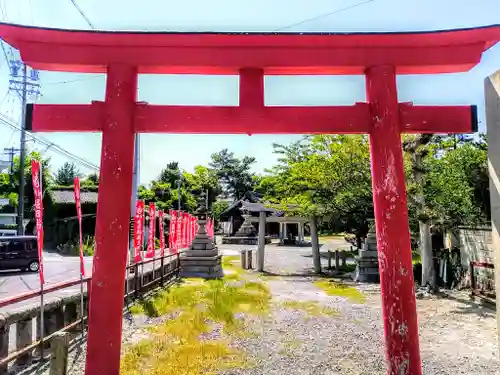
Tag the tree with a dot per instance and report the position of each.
(66, 174)
(171, 174)
(234, 174)
(91, 179)
(218, 207)
(326, 176)
(416, 147)
(204, 182)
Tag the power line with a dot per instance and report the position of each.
(56, 148)
(72, 80)
(82, 13)
(324, 15)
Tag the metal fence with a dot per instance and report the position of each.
(20, 344)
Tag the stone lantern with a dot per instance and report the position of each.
(202, 259)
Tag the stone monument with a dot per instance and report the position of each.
(246, 234)
(367, 259)
(202, 259)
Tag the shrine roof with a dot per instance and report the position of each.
(427, 52)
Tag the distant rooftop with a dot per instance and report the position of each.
(68, 196)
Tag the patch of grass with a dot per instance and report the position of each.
(231, 265)
(290, 346)
(232, 276)
(159, 356)
(311, 308)
(229, 260)
(177, 346)
(416, 259)
(334, 288)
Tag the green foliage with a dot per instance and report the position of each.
(324, 175)
(234, 174)
(72, 247)
(66, 174)
(457, 187)
(218, 208)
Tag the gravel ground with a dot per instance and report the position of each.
(456, 335)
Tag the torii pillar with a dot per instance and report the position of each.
(377, 56)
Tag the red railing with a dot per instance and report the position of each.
(136, 285)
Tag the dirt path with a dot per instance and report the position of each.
(456, 335)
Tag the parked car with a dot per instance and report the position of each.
(19, 253)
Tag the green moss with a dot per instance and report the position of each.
(176, 347)
(334, 288)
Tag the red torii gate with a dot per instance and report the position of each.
(379, 56)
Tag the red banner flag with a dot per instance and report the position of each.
(193, 227)
(37, 190)
(138, 230)
(161, 217)
(185, 229)
(173, 232)
(150, 253)
(178, 232)
(171, 226)
(191, 232)
(76, 184)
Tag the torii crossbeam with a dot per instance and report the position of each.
(380, 57)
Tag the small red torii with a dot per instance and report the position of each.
(378, 56)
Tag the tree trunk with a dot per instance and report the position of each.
(426, 253)
(315, 245)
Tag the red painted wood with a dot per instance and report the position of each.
(228, 53)
(112, 225)
(68, 117)
(257, 120)
(437, 119)
(391, 219)
(266, 120)
(251, 89)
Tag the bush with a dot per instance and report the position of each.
(72, 247)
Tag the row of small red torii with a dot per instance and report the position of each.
(182, 227)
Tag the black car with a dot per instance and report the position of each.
(19, 252)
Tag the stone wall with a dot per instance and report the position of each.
(476, 246)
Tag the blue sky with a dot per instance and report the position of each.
(230, 15)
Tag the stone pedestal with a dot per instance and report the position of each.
(246, 234)
(202, 259)
(367, 259)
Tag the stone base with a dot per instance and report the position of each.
(368, 277)
(240, 240)
(201, 253)
(206, 267)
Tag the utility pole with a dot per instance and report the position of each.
(24, 87)
(135, 188)
(20, 205)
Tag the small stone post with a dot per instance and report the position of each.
(492, 97)
(262, 241)
(4, 342)
(315, 245)
(24, 333)
(59, 359)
